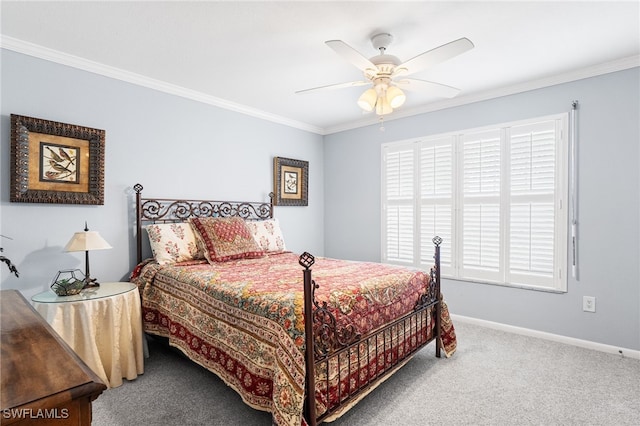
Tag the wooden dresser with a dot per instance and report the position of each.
(43, 381)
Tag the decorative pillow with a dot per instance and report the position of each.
(225, 238)
(267, 234)
(173, 242)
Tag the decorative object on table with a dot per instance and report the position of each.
(55, 162)
(290, 182)
(87, 241)
(10, 265)
(67, 283)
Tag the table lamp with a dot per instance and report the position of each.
(87, 241)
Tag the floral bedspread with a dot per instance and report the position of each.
(242, 319)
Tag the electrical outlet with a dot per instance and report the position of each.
(588, 303)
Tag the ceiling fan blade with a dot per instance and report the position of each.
(436, 89)
(351, 55)
(434, 56)
(335, 86)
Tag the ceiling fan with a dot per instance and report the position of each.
(386, 73)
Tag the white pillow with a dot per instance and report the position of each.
(173, 242)
(267, 234)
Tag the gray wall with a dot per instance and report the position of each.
(181, 148)
(609, 212)
(175, 147)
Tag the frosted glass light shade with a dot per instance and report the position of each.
(395, 97)
(383, 107)
(85, 241)
(367, 100)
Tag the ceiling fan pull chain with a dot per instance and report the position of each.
(381, 120)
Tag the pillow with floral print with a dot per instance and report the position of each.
(225, 238)
(173, 242)
(268, 235)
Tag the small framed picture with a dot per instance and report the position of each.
(55, 162)
(290, 182)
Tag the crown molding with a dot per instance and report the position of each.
(574, 75)
(52, 55)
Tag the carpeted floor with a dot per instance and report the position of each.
(494, 378)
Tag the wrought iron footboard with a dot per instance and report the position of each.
(333, 349)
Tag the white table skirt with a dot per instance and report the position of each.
(106, 333)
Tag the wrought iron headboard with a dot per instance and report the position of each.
(159, 210)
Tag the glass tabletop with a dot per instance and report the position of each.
(104, 290)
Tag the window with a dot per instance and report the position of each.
(495, 195)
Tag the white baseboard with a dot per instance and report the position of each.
(628, 353)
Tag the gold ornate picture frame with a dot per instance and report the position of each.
(290, 182)
(55, 162)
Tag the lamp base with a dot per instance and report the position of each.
(90, 282)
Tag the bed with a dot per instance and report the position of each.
(304, 348)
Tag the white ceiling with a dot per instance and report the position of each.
(253, 56)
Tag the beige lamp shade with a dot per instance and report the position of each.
(367, 100)
(86, 241)
(383, 107)
(395, 97)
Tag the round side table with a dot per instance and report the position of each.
(103, 325)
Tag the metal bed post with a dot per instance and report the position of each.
(307, 260)
(437, 241)
(138, 188)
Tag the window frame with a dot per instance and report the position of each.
(555, 279)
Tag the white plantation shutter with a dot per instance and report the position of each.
(436, 166)
(481, 239)
(481, 216)
(399, 184)
(436, 220)
(436, 199)
(532, 245)
(531, 239)
(398, 216)
(495, 196)
(399, 226)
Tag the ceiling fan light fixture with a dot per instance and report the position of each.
(367, 100)
(385, 71)
(395, 97)
(382, 106)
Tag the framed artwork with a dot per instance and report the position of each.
(290, 182)
(55, 162)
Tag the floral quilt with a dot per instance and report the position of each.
(242, 319)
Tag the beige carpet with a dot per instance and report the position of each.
(494, 378)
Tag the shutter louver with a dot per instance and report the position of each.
(532, 213)
(481, 164)
(532, 162)
(531, 242)
(481, 236)
(400, 175)
(436, 204)
(400, 234)
(436, 165)
(435, 220)
(481, 173)
(399, 183)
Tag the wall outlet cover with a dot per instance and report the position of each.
(588, 303)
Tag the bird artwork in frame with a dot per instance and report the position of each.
(54, 162)
(290, 182)
(59, 163)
